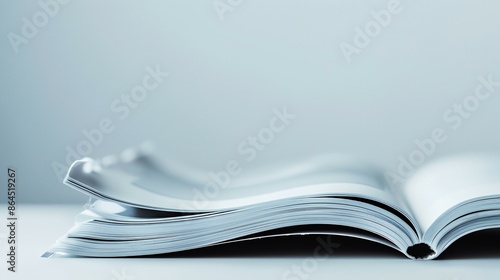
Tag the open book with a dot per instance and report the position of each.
(144, 207)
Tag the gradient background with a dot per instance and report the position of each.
(227, 76)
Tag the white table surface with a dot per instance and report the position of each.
(40, 225)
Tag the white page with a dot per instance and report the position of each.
(144, 182)
(443, 184)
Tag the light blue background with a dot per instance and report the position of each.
(227, 76)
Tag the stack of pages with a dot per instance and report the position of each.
(143, 207)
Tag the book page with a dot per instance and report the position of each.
(146, 182)
(443, 184)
